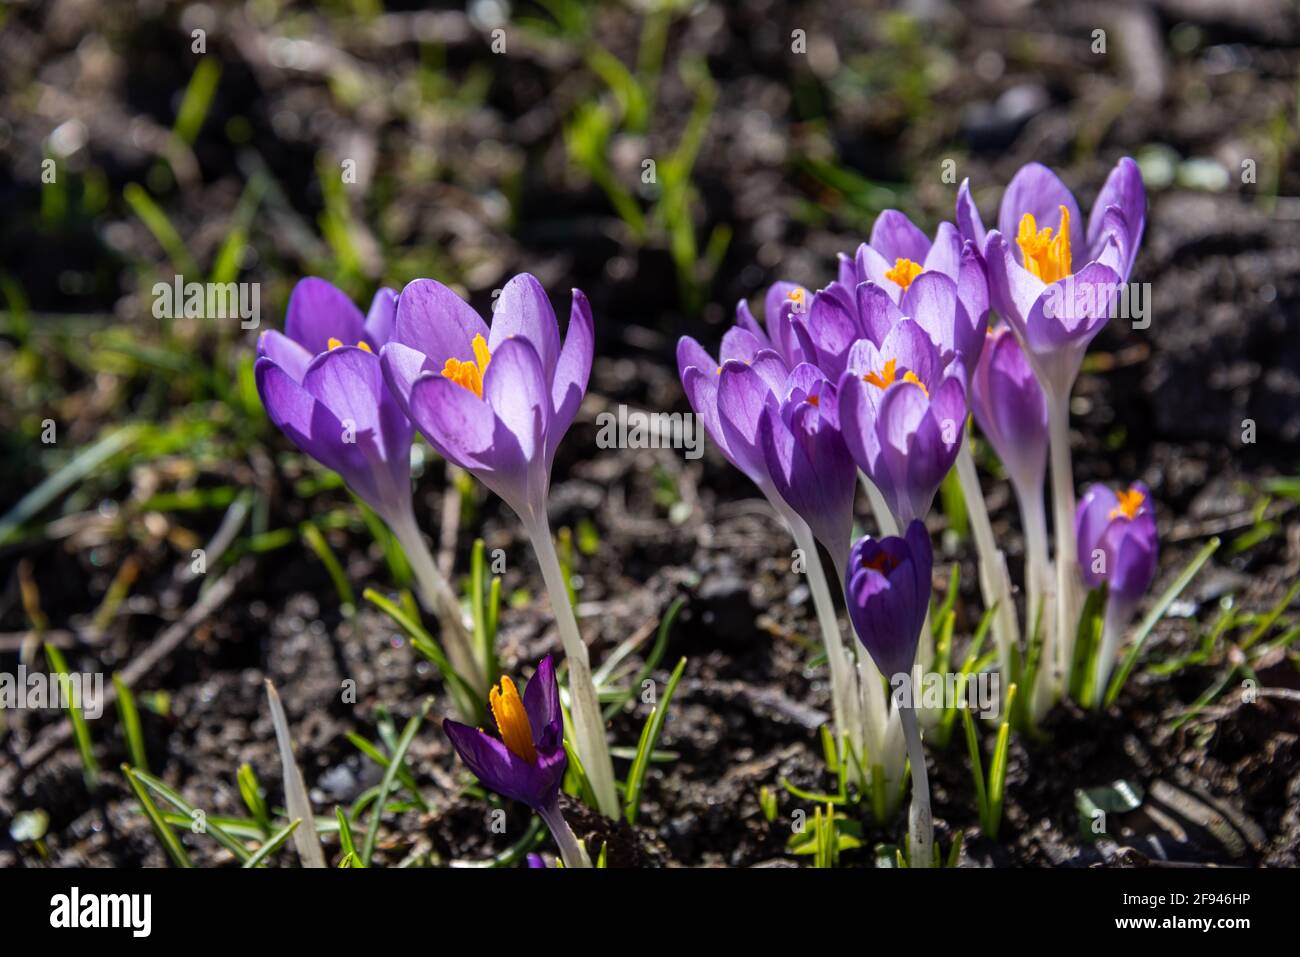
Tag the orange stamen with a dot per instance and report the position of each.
(1045, 257)
(889, 375)
(469, 373)
(512, 720)
(1130, 500)
(904, 271)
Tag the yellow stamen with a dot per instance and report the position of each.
(512, 720)
(882, 562)
(885, 378)
(334, 343)
(1045, 257)
(469, 373)
(815, 400)
(1130, 500)
(904, 271)
(364, 346)
(889, 375)
(361, 344)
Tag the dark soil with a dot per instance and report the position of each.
(999, 86)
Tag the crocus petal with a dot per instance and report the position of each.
(913, 348)
(516, 388)
(896, 237)
(542, 702)
(319, 311)
(523, 311)
(945, 253)
(745, 319)
(506, 773)
(1013, 290)
(457, 423)
(969, 223)
(284, 352)
(572, 372)
(402, 365)
(1011, 410)
(742, 395)
(741, 345)
(832, 328)
(437, 322)
(381, 320)
(878, 310)
(1124, 189)
(931, 301)
(1037, 190)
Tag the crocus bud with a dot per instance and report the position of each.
(888, 594)
(1117, 541)
(1011, 410)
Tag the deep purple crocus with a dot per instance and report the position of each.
(1118, 547)
(1011, 411)
(887, 590)
(322, 385)
(903, 416)
(888, 594)
(1055, 283)
(527, 762)
(495, 401)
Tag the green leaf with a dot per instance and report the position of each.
(228, 841)
(998, 767)
(649, 738)
(273, 843)
(80, 730)
(1154, 615)
(166, 836)
(390, 775)
(129, 717)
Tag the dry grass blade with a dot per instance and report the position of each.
(305, 839)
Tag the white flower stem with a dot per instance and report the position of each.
(1113, 626)
(571, 850)
(440, 601)
(879, 509)
(1040, 607)
(844, 699)
(920, 823)
(995, 582)
(1068, 598)
(588, 723)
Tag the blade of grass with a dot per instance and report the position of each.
(1154, 615)
(346, 841)
(250, 789)
(80, 730)
(273, 843)
(316, 542)
(649, 738)
(166, 836)
(998, 767)
(466, 701)
(390, 775)
(129, 716)
(219, 834)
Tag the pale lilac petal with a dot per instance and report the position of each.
(381, 320)
(523, 311)
(284, 352)
(969, 222)
(1037, 190)
(437, 322)
(319, 311)
(896, 237)
(572, 371)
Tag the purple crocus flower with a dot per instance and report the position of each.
(322, 386)
(1035, 278)
(941, 285)
(536, 860)
(903, 416)
(528, 761)
(804, 454)
(1117, 541)
(1118, 548)
(887, 589)
(495, 401)
(1011, 411)
(753, 373)
(785, 304)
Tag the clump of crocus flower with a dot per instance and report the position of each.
(1056, 286)
(888, 592)
(527, 761)
(496, 401)
(322, 386)
(1117, 549)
